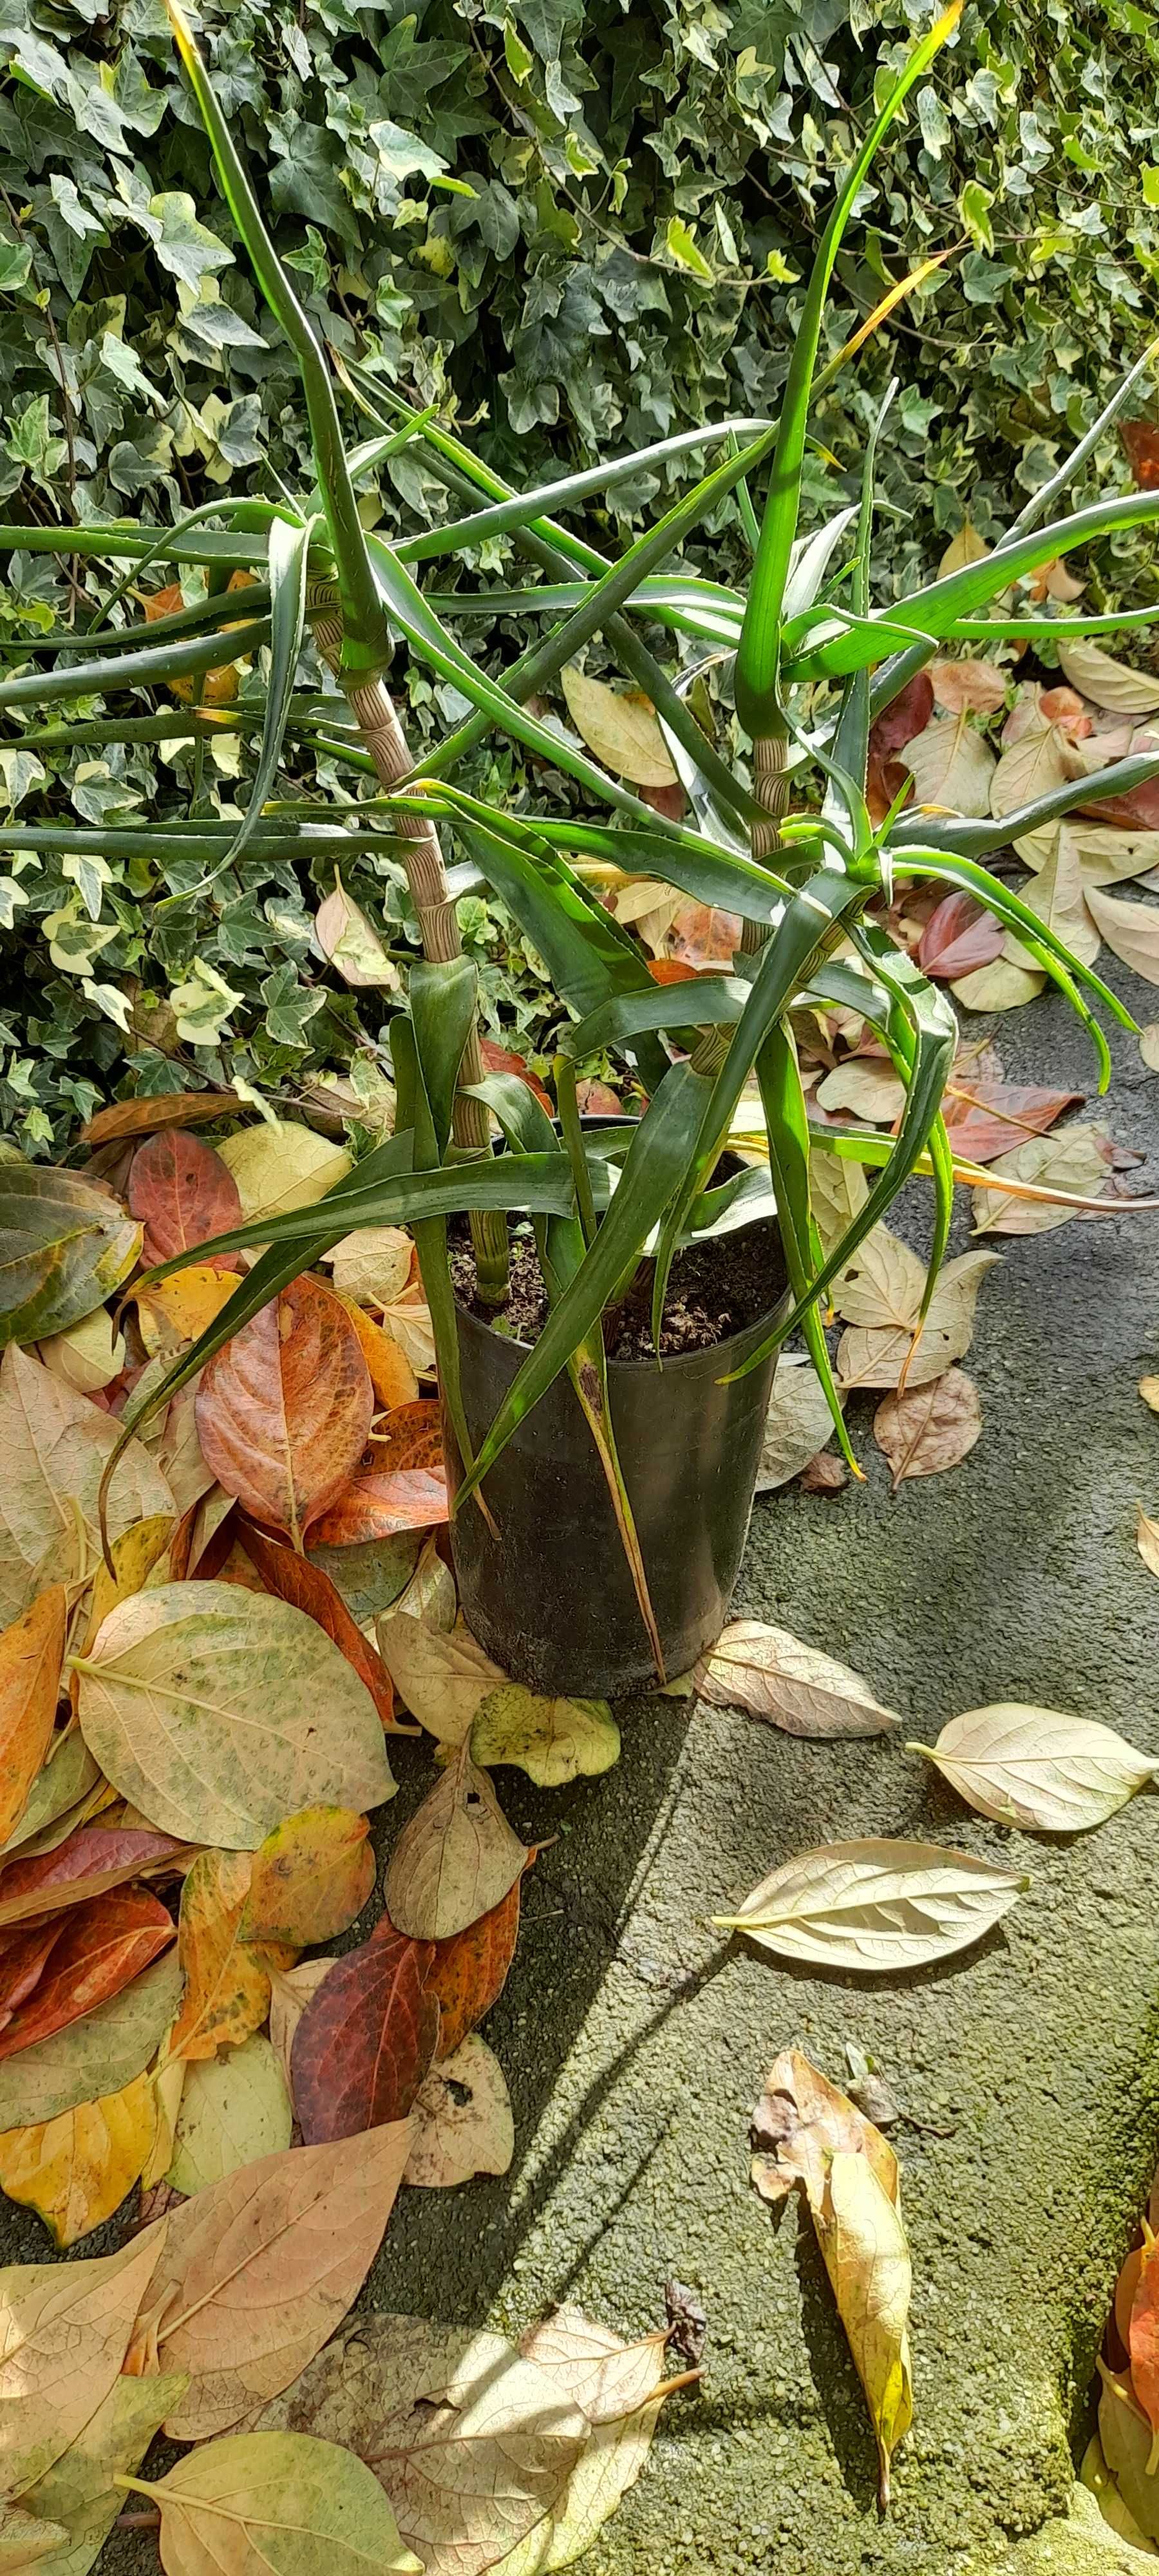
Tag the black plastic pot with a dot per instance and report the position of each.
(552, 1599)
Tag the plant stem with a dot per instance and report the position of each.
(374, 713)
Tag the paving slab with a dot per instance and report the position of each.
(635, 2039)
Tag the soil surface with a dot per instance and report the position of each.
(715, 1289)
(635, 2040)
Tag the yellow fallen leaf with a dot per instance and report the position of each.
(868, 2262)
(75, 2171)
(1149, 1390)
(1147, 1540)
(176, 1310)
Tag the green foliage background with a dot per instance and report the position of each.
(646, 185)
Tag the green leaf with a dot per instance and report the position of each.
(64, 1248)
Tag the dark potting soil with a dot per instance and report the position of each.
(715, 1289)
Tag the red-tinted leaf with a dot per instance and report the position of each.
(668, 970)
(151, 1112)
(101, 1948)
(671, 801)
(306, 1587)
(1141, 441)
(86, 1865)
(906, 715)
(701, 936)
(1140, 809)
(401, 1482)
(366, 2039)
(959, 936)
(22, 1956)
(598, 1100)
(283, 1412)
(500, 1060)
(469, 1971)
(182, 1193)
(986, 1118)
(1144, 2335)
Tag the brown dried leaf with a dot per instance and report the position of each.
(293, 1578)
(257, 2272)
(366, 2039)
(227, 1990)
(472, 2443)
(929, 1428)
(800, 2123)
(461, 2122)
(605, 2376)
(182, 1193)
(54, 1446)
(468, 1972)
(31, 1655)
(67, 2328)
(772, 1674)
(455, 1860)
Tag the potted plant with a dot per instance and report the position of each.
(602, 1501)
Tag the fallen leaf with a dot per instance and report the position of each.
(307, 1587)
(75, 2171)
(95, 2056)
(23, 1954)
(952, 766)
(615, 2454)
(443, 1678)
(499, 1059)
(366, 2039)
(1035, 764)
(800, 2123)
(284, 1410)
(408, 1322)
(1149, 1390)
(1147, 1540)
(372, 1265)
(174, 1312)
(1130, 929)
(1110, 683)
(930, 1428)
(430, 1596)
(101, 1947)
(875, 1904)
(278, 1165)
(472, 2442)
(90, 1860)
(179, 1452)
(89, 1356)
(620, 726)
(824, 1475)
(1037, 1767)
(461, 2121)
(31, 1655)
(67, 1246)
(182, 1193)
(54, 1446)
(959, 937)
(66, 2330)
(290, 1992)
(149, 1112)
(262, 2501)
(310, 1878)
(1096, 2477)
(553, 1740)
(1143, 2343)
(227, 1990)
(605, 2376)
(838, 1190)
(870, 1090)
(467, 1974)
(1004, 986)
(881, 1294)
(80, 2494)
(349, 941)
(1126, 2438)
(455, 1859)
(233, 2110)
(217, 1712)
(370, 1577)
(258, 2270)
(769, 1673)
(966, 548)
(58, 1793)
(400, 1484)
(985, 1117)
(1070, 1160)
(971, 684)
(134, 1556)
(1149, 1046)
(1057, 894)
(167, 2083)
(390, 1372)
(797, 1424)
(868, 2261)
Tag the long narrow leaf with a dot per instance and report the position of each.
(289, 553)
(787, 1125)
(759, 651)
(524, 508)
(151, 667)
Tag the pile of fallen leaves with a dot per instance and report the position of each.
(191, 1741)
(1122, 2459)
